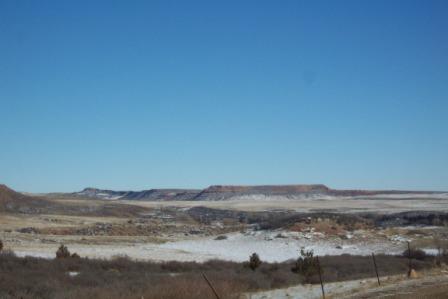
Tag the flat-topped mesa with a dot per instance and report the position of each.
(219, 192)
(226, 192)
(268, 188)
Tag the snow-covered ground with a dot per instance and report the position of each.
(238, 247)
(408, 196)
(272, 246)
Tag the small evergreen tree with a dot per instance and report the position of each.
(254, 261)
(306, 265)
(62, 252)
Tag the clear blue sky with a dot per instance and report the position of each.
(144, 94)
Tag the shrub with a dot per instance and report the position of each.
(123, 278)
(254, 261)
(62, 252)
(1, 245)
(417, 254)
(306, 265)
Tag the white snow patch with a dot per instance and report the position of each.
(431, 251)
(272, 246)
(238, 247)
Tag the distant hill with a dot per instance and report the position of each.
(12, 201)
(15, 202)
(219, 192)
(150, 195)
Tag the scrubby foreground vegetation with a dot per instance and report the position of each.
(123, 278)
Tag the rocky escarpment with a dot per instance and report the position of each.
(290, 191)
(149, 195)
(211, 193)
(163, 194)
(101, 194)
(220, 192)
(227, 192)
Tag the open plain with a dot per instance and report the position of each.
(275, 226)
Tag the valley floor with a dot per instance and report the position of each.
(231, 231)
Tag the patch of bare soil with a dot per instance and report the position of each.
(133, 228)
(329, 226)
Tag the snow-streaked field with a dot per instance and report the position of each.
(376, 204)
(237, 247)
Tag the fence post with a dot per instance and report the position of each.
(211, 286)
(320, 277)
(410, 260)
(376, 269)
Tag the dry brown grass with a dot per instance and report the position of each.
(122, 278)
(430, 292)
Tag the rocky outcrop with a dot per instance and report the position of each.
(222, 192)
(149, 195)
(101, 194)
(163, 194)
(227, 192)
